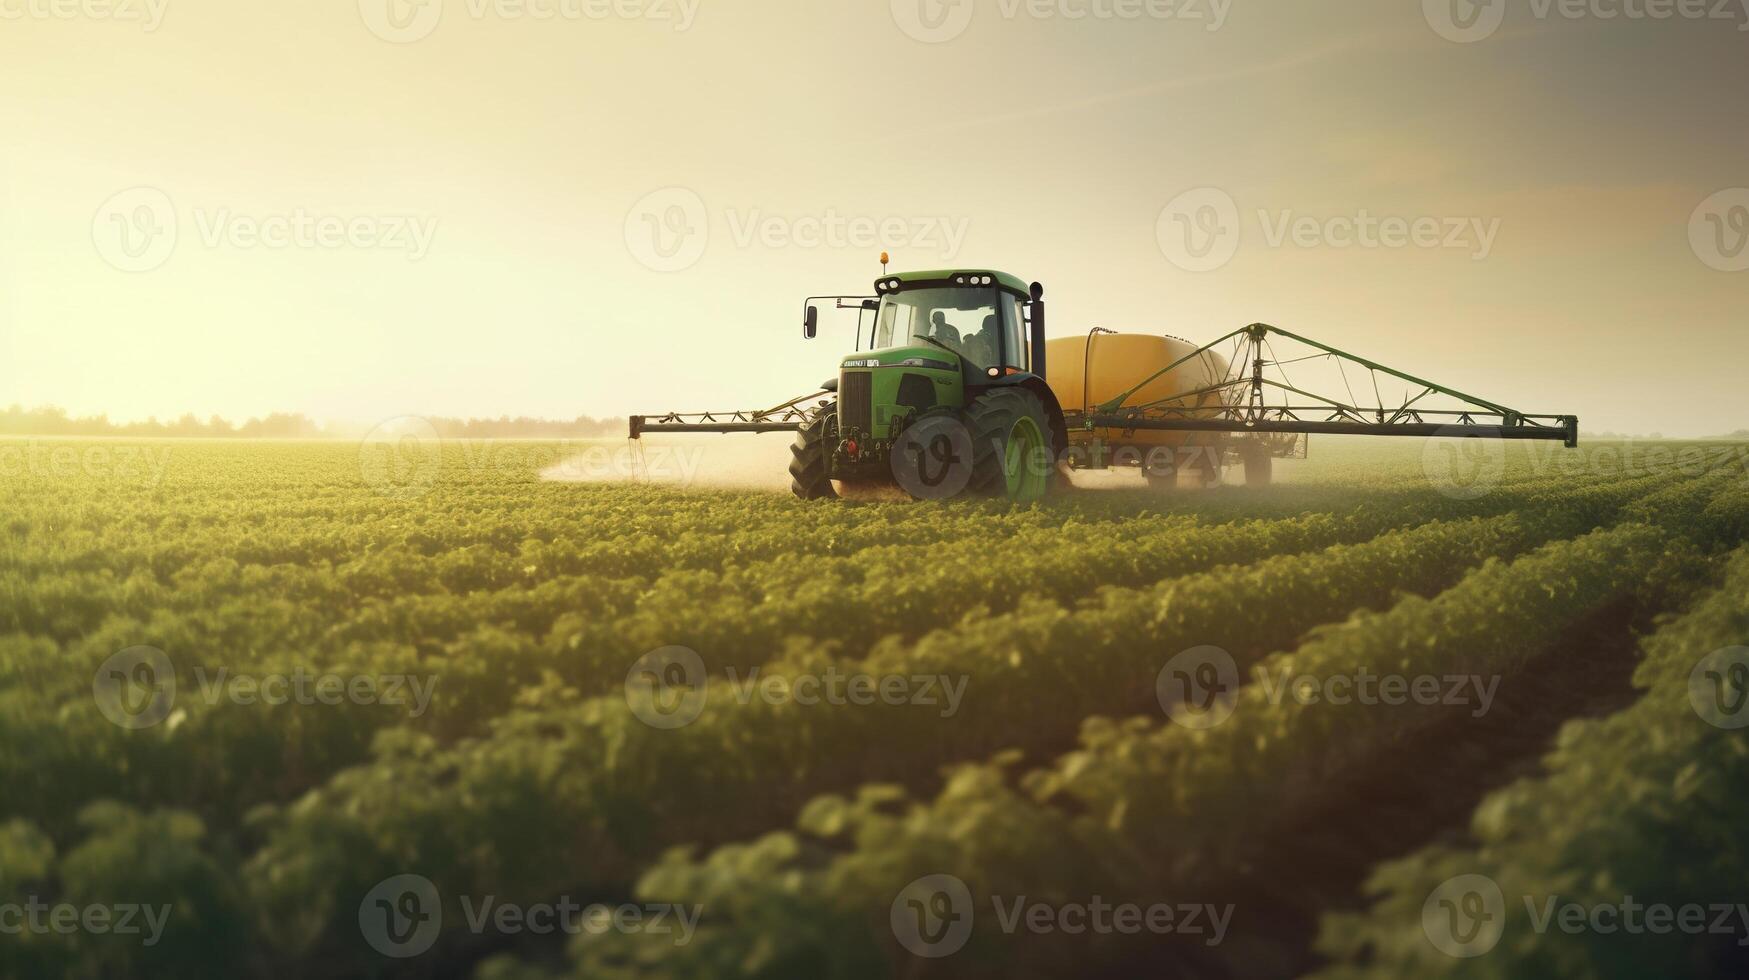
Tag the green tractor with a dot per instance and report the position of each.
(946, 397)
(948, 394)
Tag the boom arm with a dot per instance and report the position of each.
(788, 417)
(1251, 401)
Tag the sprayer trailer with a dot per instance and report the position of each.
(953, 389)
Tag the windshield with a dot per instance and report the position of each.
(964, 319)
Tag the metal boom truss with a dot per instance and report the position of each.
(1248, 399)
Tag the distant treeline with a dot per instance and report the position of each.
(51, 421)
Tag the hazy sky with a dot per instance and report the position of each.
(366, 208)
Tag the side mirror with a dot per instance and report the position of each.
(811, 322)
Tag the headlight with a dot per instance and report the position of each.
(926, 362)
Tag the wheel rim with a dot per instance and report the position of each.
(1025, 478)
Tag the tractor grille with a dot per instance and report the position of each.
(856, 402)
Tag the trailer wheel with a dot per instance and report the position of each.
(1207, 467)
(807, 470)
(1012, 454)
(1259, 467)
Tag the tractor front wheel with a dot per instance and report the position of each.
(1012, 454)
(808, 477)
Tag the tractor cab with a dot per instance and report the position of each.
(979, 316)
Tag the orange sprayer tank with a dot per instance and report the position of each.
(1084, 371)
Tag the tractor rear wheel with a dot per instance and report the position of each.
(807, 469)
(1012, 454)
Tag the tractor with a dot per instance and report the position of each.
(953, 389)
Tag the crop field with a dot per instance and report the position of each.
(315, 709)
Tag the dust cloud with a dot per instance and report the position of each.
(738, 461)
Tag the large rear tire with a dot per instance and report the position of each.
(1012, 453)
(808, 477)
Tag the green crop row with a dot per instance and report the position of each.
(1143, 812)
(1644, 807)
(577, 795)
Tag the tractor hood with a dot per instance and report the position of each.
(923, 356)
